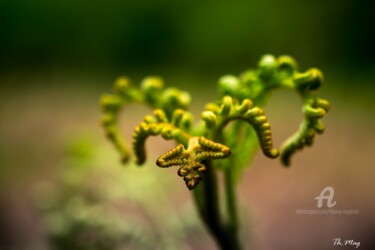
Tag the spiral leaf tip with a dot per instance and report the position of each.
(191, 159)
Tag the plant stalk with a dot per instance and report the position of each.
(207, 201)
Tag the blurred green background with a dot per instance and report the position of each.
(57, 57)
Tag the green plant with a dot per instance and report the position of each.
(223, 135)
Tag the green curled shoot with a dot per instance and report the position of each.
(191, 160)
(240, 102)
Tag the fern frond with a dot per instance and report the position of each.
(155, 125)
(151, 93)
(314, 110)
(191, 159)
(229, 110)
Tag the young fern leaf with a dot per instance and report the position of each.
(314, 110)
(191, 160)
(217, 117)
(151, 93)
(241, 98)
(159, 124)
(111, 105)
(274, 73)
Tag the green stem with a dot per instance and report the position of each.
(231, 200)
(207, 201)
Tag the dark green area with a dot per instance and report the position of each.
(190, 36)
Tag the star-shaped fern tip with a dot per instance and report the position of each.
(190, 160)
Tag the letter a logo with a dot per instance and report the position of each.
(328, 197)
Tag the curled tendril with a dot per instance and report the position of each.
(190, 160)
(273, 73)
(314, 110)
(218, 116)
(158, 124)
(310, 80)
(111, 105)
(151, 93)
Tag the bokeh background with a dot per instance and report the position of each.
(61, 180)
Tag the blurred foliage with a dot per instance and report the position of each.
(95, 206)
(190, 34)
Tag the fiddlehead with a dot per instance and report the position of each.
(282, 72)
(151, 93)
(241, 100)
(111, 105)
(216, 117)
(159, 124)
(191, 160)
(314, 110)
